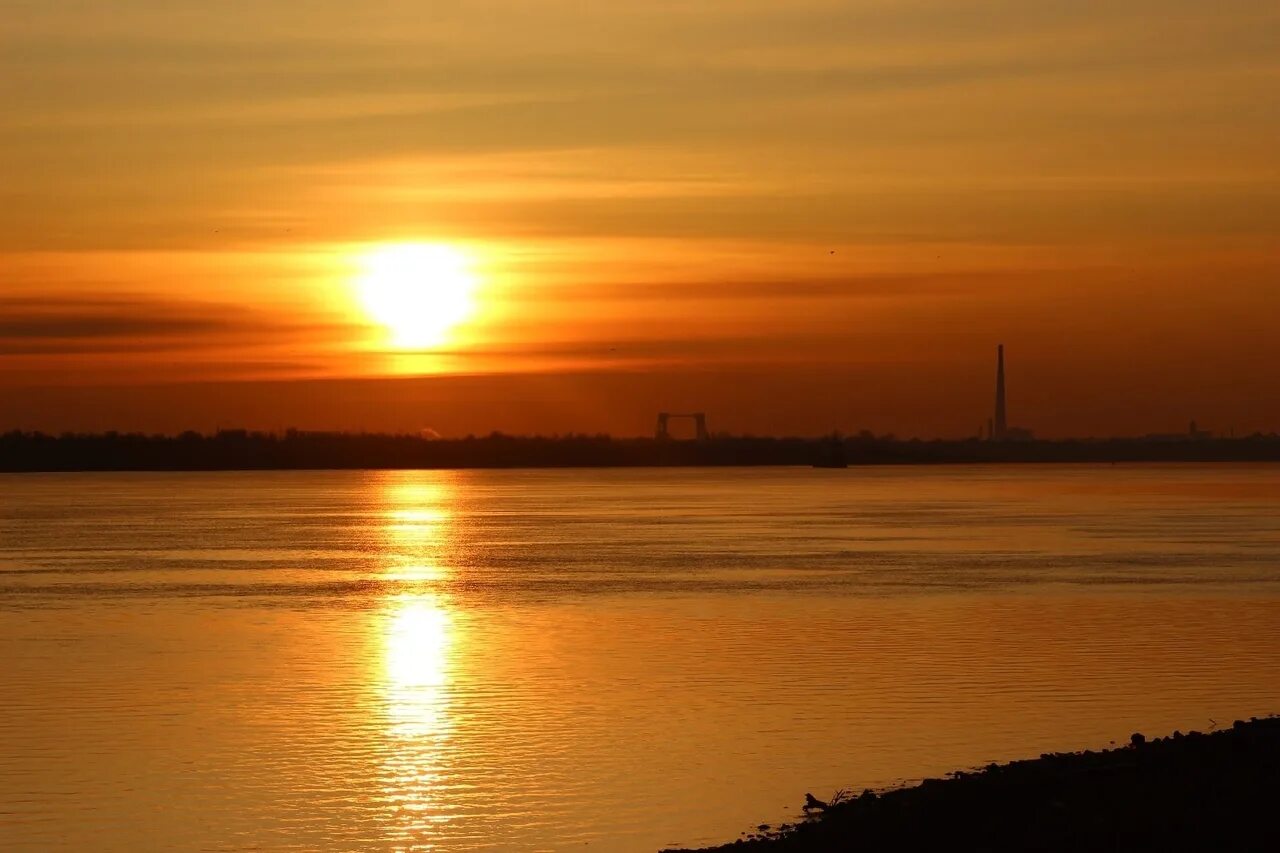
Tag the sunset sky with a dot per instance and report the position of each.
(466, 215)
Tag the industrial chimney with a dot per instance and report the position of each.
(1000, 425)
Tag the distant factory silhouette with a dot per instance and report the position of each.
(998, 428)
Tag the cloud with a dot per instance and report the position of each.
(122, 323)
(119, 316)
(827, 288)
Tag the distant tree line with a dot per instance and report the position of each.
(297, 449)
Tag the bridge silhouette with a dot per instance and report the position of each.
(662, 433)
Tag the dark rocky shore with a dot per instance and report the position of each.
(1213, 792)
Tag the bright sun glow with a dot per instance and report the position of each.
(419, 291)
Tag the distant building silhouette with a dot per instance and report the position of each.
(1193, 433)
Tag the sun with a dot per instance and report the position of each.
(420, 292)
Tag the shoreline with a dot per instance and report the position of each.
(240, 450)
(1197, 791)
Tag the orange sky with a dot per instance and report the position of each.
(796, 216)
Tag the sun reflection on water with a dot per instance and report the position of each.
(417, 521)
(420, 638)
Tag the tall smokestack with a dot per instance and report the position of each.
(998, 432)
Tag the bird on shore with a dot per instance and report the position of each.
(812, 803)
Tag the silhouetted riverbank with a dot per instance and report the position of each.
(243, 450)
(1210, 792)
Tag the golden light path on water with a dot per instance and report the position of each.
(419, 643)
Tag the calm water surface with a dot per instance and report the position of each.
(612, 660)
